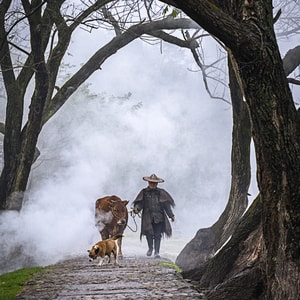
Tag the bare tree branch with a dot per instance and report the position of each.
(293, 81)
(190, 44)
(108, 15)
(20, 20)
(95, 62)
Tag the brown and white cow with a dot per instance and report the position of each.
(111, 217)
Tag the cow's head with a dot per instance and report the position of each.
(119, 211)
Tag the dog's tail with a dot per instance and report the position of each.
(117, 236)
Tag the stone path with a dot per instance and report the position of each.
(136, 278)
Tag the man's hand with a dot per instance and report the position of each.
(173, 218)
(135, 210)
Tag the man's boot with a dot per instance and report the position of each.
(156, 247)
(150, 245)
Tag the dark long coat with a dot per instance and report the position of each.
(166, 203)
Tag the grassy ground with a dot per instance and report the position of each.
(11, 283)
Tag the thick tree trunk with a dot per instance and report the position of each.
(276, 138)
(246, 28)
(19, 148)
(14, 113)
(236, 264)
(208, 240)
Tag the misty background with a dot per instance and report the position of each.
(144, 112)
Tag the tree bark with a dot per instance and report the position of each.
(14, 113)
(277, 152)
(276, 131)
(33, 127)
(236, 263)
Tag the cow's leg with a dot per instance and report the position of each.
(104, 234)
(99, 223)
(102, 221)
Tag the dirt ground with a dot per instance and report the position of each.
(135, 278)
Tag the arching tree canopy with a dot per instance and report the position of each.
(244, 28)
(35, 37)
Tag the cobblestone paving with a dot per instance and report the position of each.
(135, 278)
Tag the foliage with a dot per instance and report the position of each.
(11, 283)
(174, 13)
(168, 264)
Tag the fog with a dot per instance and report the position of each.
(103, 142)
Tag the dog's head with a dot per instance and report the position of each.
(94, 252)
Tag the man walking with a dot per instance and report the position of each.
(156, 206)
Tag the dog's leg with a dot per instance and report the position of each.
(101, 261)
(115, 253)
(119, 249)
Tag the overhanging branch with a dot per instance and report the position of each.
(118, 42)
(293, 81)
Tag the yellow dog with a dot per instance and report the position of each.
(103, 248)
